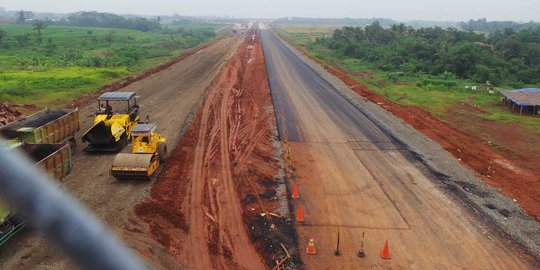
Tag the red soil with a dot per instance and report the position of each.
(8, 113)
(220, 176)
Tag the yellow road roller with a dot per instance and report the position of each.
(148, 150)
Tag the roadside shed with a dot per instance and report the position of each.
(526, 99)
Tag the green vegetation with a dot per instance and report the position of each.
(503, 58)
(50, 65)
(485, 26)
(108, 20)
(294, 21)
(437, 94)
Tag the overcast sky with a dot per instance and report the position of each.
(454, 10)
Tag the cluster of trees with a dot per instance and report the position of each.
(501, 57)
(108, 20)
(485, 26)
(335, 21)
(194, 36)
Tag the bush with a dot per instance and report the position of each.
(127, 55)
(445, 83)
(92, 61)
(446, 53)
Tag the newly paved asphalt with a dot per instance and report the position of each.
(299, 91)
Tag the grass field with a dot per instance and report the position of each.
(435, 94)
(71, 62)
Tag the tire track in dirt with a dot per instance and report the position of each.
(229, 237)
(169, 97)
(222, 176)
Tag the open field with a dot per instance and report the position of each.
(71, 62)
(479, 130)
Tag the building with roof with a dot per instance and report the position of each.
(526, 100)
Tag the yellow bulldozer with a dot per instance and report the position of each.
(112, 126)
(148, 150)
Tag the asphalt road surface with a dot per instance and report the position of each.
(355, 179)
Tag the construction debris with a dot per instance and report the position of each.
(287, 257)
(269, 213)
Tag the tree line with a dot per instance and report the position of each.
(485, 26)
(501, 57)
(108, 20)
(94, 19)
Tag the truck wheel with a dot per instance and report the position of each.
(162, 151)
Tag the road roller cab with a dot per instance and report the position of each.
(148, 150)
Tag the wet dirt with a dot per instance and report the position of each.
(516, 176)
(206, 205)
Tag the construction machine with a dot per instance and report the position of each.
(148, 150)
(10, 223)
(112, 128)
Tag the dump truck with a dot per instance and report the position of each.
(44, 127)
(54, 159)
(10, 223)
(148, 151)
(46, 137)
(112, 125)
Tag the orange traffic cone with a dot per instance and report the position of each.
(310, 249)
(295, 192)
(385, 254)
(300, 217)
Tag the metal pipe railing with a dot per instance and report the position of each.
(59, 217)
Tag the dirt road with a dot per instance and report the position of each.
(224, 177)
(168, 97)
(355, 178)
